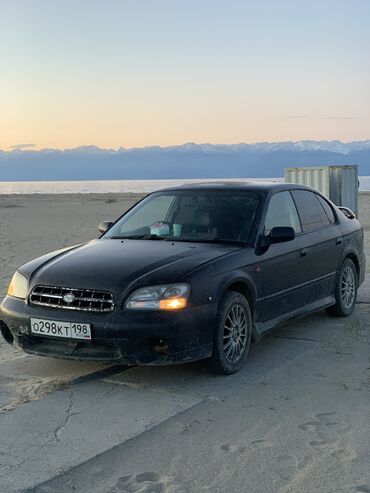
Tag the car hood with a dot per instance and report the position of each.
(118, 266)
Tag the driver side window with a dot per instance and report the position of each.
(144, 216)
(282, 212)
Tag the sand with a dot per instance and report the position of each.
(31, 225)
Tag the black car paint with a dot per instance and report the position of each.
(281, 281)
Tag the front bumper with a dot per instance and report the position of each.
(122, 336)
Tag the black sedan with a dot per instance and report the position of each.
(189, 273)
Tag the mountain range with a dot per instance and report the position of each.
(259, 160)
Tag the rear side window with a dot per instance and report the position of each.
(282, 212)
(312, 214)
(328, 210)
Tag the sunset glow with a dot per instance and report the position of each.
(141, 73)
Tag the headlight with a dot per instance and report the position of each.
(165, 297)
(18, 286)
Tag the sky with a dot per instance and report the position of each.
(136, 73)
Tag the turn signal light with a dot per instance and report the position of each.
(18, 287)
(172, 304)
(11, 288)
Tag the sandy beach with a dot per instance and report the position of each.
(300, 407)
(32, 225)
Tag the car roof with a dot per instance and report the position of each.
(256, 186)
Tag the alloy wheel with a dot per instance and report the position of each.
(348, 287)
(235, 333)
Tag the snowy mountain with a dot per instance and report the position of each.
(263, 159)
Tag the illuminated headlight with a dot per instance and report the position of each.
(18, 286)
(164, 297)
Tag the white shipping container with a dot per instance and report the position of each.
(338, 183)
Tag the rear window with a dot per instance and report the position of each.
(311, 212)
(327, 208)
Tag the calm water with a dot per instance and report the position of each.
(116, 186)
(101, 186)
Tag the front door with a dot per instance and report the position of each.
(285, 267)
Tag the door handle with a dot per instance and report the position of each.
(303, 252)
(338, 241)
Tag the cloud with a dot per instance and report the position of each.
(339, 118)
(22, 146)
(302, 117)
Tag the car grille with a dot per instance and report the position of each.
(80, 299)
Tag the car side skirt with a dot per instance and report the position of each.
(268, 325)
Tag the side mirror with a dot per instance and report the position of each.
(280, 234)
(104, 226)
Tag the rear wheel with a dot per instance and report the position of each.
(233, 334)
(345, 291)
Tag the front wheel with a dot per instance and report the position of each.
(345, 291)
(233, 334)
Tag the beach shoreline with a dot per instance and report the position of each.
(124, 186)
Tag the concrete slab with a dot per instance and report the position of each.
(196, 379)
(294, 419)
(25, 377)
(317, 355)
(284, 345)
(71, 426)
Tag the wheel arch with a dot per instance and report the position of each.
(352, 256)
(5, 332)
(245, 287)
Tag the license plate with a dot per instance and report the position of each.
(56, 328)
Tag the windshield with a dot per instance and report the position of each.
(190, 215)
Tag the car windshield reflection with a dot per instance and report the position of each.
(190, 216)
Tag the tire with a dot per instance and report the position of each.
(5, 332)
(345, 291)
(233, 334)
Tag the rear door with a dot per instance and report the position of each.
(324, 242)
(285, 266)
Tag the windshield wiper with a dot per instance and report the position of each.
(175, 238)
(206, 240)
(221, 240)
(138, 237)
